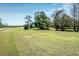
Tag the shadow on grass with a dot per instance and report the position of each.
(69, 30)
(51, 29)
(65, 30)
(40, 29)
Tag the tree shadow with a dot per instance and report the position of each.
(69, 30)
(66, 30)
(40, 29)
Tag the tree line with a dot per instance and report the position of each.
(60, 20)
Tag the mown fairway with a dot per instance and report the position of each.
(16, 41)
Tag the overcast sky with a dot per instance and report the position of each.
(14, 13)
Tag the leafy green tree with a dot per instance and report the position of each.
(27, 22)
(41, 20)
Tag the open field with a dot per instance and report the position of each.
(16, 41)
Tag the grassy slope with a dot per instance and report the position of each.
(16, 41)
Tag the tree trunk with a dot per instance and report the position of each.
(74, 27)
(62, 28)
(56, 27)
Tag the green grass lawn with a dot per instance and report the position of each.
(16, 41)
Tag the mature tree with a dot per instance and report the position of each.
(74, 14)
(41, 20)
(77, 5)
(61, 20)
(27, 22)
(58, 15)
(66, 22)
